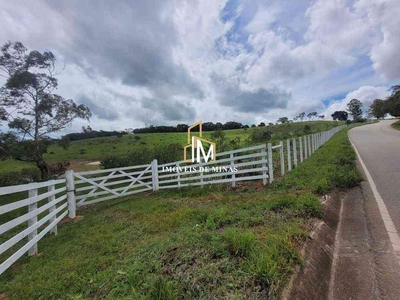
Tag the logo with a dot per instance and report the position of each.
(195, 143)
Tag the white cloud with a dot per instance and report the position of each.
(366, 94)
(156, 62)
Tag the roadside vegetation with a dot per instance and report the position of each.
(396, 125)
(197, 243)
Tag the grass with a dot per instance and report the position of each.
(13, 165)
(396, 125)
(99, 148)
(82, 151)
(198, 243)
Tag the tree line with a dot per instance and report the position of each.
(391, 105)
(207, 126)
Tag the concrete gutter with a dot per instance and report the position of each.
(312, 280)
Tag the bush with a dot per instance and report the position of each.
(23, 176)
(307, 129)
(259, 136)
(163, 154)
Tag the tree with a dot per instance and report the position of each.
(301, 116)
(27, 100)
(378, 109)
(64, 142)
(354, 107)
(322, 117)
(218, 136)
(7, 142)
(393, 102)
(311, 115)
(283, 120)
(340, 115)
(262, 124)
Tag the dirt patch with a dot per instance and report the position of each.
(68, 220)
(81, 165)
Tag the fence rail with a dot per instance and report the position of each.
(49, 202)
(45, 206)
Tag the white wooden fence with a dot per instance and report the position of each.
(45, 206)
(49, 202)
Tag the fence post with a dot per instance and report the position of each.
(201, 174)
(295, 152)
(232, 157)
(305, 147)
(312, 143)
(309, 144)
(282, 158)
(270, 164)
(301, 149)
(264, 165)
(178, 172)
(51, 198)
(31, 207)
(289, 162)
(69, 176)
(154, 171)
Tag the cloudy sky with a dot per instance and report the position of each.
(156, 62)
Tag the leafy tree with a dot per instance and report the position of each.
(393, 102)
(7, 142)
(354, 107)
(270, 124)
(64, 142)
(283, 120)
(27, 100)
(253, 125)
(218, 136)
(378, 109)
(340, 115)
(301, 116)
(262, 124)
(311, 115)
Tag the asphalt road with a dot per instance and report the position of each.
(365, 263)
(379, 147)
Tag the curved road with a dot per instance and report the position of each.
(367, 248)
(379, 147)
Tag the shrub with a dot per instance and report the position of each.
(259, 136)
(23, 176)
(163, 154)
(307, 129)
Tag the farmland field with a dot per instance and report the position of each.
(13, 165)
(194, 243)
(99, 148)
